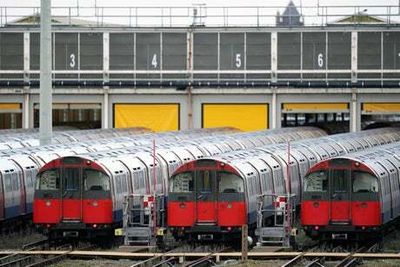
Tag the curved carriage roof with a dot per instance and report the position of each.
(378, 160)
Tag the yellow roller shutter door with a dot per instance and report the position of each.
(157, 117)
(315, 107)
(381, 108)
(246, 117)
(10, 108)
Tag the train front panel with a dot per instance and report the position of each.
(72, 198)
(206, 201)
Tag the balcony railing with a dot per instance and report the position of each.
(204, 16)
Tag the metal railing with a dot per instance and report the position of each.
(202, 15)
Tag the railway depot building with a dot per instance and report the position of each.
(342, 75)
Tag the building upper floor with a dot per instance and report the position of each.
(356, 50)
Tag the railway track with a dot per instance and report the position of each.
(166, 259)
(351, 259)
(225, 255)
(29, 256)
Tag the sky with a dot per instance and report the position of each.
(271, 8)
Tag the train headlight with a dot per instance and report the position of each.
(48, 203)
(364, 205)
(229, 205)
(182, 205)
(316, 204)
(95, 203)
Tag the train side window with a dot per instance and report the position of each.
(230, 183)
(364, 182)
(118, 184)
(15, 182)
(95, 180)
(182, 183)
(316, 182)
(48, 180)
(135, 180)
(141, 180)
(29, 175)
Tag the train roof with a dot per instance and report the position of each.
(325, 147)
(377, 160)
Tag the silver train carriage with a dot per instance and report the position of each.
(353, 197)
(255, 177)
(132, 170)
(19, 166)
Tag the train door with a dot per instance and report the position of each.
(71, 193)
(18, 177)
(340, 202)
(206, 197)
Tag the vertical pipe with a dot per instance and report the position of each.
(45, 121)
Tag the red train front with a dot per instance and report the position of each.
(206, 201)
(341, 201)
(73, 198)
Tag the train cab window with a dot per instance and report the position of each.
(94, 180)
(70, 179)
(204, 181)
(48, 180)
(316, 182)
(339, 180)
(364, 182)
(230, 183)
(182, 183)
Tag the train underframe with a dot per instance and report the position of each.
(344, 232)
(78, 230)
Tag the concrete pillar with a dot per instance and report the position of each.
(106, 78)
(106, 56)
(273, 111)
(26, 56)
(274, 56)
(25, 104)
(25, 112)
(104, 111)
(355, 114)
(354, 60)
(46, 121)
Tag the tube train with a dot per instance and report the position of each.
(16, 140)
(20, 166)
(82, 196)
(352, 197)
(211, 198)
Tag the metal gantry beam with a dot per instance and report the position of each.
(45, 122)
